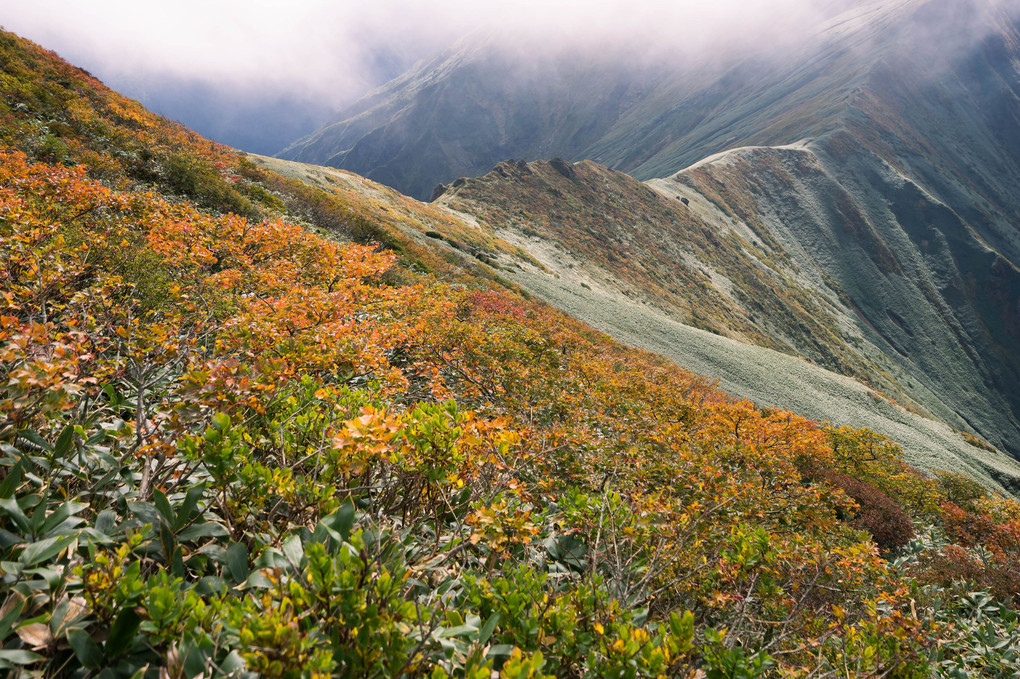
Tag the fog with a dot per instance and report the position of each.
(218, 65)
(340, 49)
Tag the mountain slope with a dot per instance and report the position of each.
(889, 225)
(925, 289)
(458, 112)
(463, 112)
(756, 256)
(307, 441)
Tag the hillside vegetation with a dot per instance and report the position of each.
(248, 430)
(763, 246)
(872, 173)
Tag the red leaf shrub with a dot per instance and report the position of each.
(878, 514)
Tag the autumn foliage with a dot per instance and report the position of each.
(231, 446)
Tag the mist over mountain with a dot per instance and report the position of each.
(254, 77)
(258, 122)
(647, 111)
(266, 418)
(896, 202)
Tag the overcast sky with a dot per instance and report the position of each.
(228, 67)
(339, 48)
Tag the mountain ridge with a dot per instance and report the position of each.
(679, 113)
(266, 425)
(784, 299)
(563, 272)
(909, 118)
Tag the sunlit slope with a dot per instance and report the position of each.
(635, 262)
(768, 377)
(594, 256)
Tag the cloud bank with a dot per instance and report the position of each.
(340, 49)
(229, 68)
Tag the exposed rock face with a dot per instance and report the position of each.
(436, 192)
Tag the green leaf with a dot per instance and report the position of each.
(324, 532)
(337, 525)
(345, 519)
(12, 480)
(221, 421)
(569, 550)
(64, 441)
(52, 576)
(500, 650)
(19, 657)
(109, 476)
(237, 562)
(7, 622)
(206, 529)
(166, 540)
(189, 508)
(85, 649)
(293, 550)
(106, 522)
(233, 664)
(488, 628)
(194, 658)
(8, 539)
(95, 439)
(177, 563)
(122, 633)
(145, 512)
(46, 549)
(59, 616)
(38, 517)
(36, 440)
(210, 585)
(61, 514)
(459, 630)
(163, 506)
(256, 579)
(111, 393)
(11, 507)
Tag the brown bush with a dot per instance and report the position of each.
(954, 564)
(878, 514)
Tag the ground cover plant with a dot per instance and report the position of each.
(232, 447)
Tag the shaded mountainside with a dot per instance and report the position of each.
(460, 114)
(920, 284)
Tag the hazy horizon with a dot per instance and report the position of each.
(236, 70)
(218, 67)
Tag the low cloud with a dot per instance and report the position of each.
(224, 66)
(339, 50)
